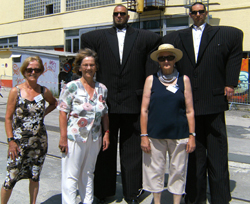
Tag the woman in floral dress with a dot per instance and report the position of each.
(25, 130)
(83, 118)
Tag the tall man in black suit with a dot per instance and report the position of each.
(212, 58)
(123, 54)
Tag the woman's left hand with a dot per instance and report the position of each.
(13, 150)
(191, 144)
(105, 141)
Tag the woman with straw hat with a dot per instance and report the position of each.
(167, 125)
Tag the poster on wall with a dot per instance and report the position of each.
(242, 90)
(49, 77)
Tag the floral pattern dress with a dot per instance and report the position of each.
(85, 113)
(31, 137)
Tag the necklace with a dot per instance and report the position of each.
(167, 78)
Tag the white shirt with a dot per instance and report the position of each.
(197, 34)
(121, 37)
(84, 113)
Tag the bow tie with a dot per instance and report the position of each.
(122, 30)
(197, 28)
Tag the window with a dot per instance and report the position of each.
(152, 24)
(72, 42)
(164, 26)
(161, 27)
(3, 40)
(8, 42)
(16, 58)
(49, 9)
(75, 45)
(154, 3)
(13, 40)
(175, 22)
(68, 46)
(80, 4)
(69, 33)
(135, 25)
(34, 8)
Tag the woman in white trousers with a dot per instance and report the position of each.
(83, 118)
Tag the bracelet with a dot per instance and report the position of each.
(10, 139)
(143, 135)
(107, 131)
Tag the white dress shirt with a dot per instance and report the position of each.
(197, 34)
(121, 37)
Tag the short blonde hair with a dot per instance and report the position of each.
(27, 62)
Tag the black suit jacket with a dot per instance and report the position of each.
(124, 81)
(218, 64)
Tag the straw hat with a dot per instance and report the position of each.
(166, 48)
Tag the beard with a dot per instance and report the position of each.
(120, 25)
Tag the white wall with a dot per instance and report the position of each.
(49, 78)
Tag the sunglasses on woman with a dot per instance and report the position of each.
(164, 58)
(30, 70)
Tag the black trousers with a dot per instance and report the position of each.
(128, 126)
(210, 158)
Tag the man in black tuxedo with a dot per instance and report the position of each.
(124, 60)
(212, 58)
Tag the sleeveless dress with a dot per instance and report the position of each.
(31, 137)
(167, 112)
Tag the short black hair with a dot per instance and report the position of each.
(200, 3)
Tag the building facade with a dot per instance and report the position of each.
(58, 24)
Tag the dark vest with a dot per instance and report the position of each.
(167, 112)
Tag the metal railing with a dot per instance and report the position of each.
(241, 96)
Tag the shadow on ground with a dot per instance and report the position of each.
(167, 197)
(55, 199)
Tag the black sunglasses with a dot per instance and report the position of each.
(200, 12)
(121, 13)
(30, 70)
(164, 58)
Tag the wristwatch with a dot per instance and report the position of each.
(192, 133)
(10, 139)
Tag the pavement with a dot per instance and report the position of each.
(238, 127)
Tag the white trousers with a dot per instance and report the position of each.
(154, 165)
(78, 170)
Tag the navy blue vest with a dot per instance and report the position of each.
(167, 112)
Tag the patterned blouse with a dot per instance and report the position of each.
(84, 113)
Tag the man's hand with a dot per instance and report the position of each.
(229, 92)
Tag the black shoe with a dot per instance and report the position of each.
(141, 191)
(102, 201)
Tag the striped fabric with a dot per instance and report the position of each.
(125, 84)
(218, 65)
